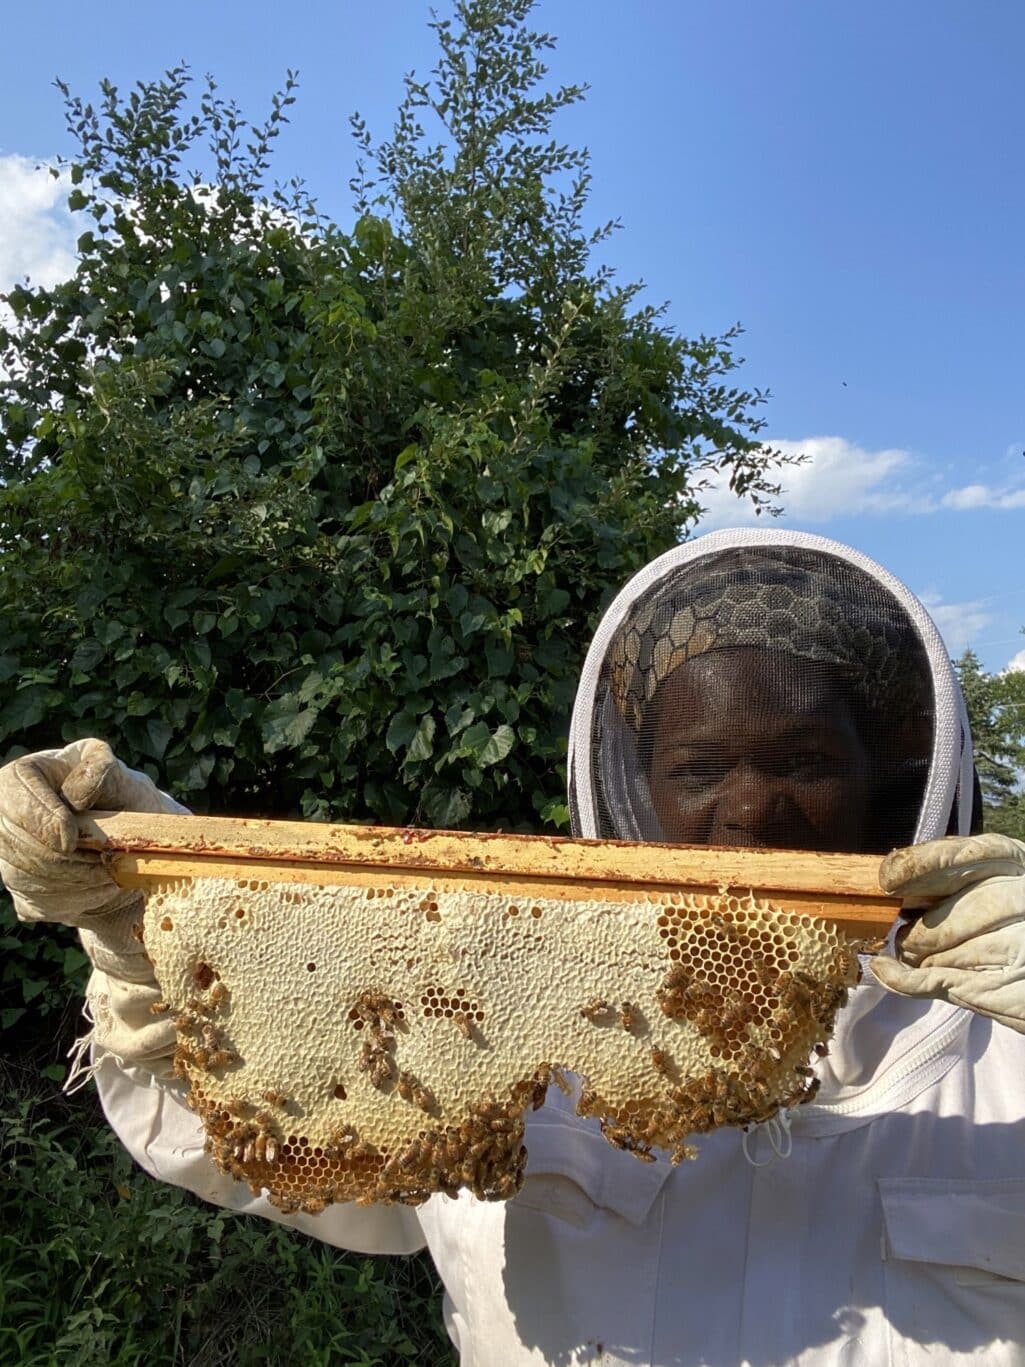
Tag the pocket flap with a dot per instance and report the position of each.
(977, 1224)
(561, 1143)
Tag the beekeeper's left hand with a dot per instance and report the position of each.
(968, 948)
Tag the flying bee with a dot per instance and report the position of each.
(463, 1024)
(627, 1015)
(659, 1062)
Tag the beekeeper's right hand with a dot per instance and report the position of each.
(50, 880)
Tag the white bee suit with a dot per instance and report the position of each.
(893, 1232)
(883, 1223)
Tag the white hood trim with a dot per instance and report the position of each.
(951, 767)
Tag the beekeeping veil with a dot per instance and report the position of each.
(811, 616)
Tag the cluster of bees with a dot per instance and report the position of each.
(201, 1042)
(484, 1153)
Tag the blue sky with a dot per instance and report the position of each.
(846, 181)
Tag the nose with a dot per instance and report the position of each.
(750, 808)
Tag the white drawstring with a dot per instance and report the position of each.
(777, 1131)
(80, 1074)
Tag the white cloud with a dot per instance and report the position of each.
(37, 234)
(983, 496)
(841, 479)
(1017, 662)
(838, 479)
(959, 623)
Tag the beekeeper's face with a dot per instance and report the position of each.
(751, 748)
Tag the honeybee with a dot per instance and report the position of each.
(659, 1062)
(561, 1081)
(463, 1024)
(597, 1008)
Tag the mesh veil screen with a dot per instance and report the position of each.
(764, 696)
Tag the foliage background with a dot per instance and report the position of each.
(310, 521)
(996, 709)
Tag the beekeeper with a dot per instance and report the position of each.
(748, 688)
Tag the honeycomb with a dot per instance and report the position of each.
(384, 1043)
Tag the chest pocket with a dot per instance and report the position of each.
(954, 1270)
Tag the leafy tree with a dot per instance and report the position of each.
(312, 519)
(996, 710)
(320, 520)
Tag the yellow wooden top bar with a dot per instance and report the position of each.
(144, 848)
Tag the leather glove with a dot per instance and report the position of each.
(969, 948)
(50, 880)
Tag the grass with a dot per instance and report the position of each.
(99, 1264)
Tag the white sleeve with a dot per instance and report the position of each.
(165, 1138)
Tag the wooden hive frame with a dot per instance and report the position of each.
(143, 849)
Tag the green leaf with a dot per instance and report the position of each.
(498, 746)
(285, 730)
(447, 807)
(401, 730)
(556, 812)
(458, 717)
(158, 735)
(553, 602)
(422, 744)
(87, 655)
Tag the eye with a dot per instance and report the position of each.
(805, 764)
(693, 775)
